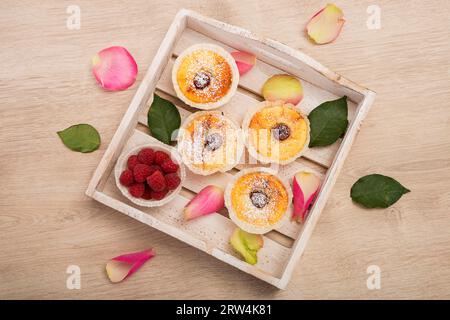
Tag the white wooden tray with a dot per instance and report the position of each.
(283, 247)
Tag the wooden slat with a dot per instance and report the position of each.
(330, 180)
(261, 71)
(207, 233)
(143, 94)
(277, 54)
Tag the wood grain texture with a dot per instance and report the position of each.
(47, 223)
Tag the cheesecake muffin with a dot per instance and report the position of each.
(276, 132)
(258, 201)
(205, 76)
(209, 142)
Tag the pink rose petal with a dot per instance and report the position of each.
(209, 200)
(114, 68)
(121, 267)
(244, 61)
(325, 26)
(305, 188)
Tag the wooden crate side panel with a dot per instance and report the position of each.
(261, 71)
(330, 180)
(139, 101)
(276, 54)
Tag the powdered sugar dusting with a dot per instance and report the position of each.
(193, 69)
(259, 198)
(201, 80)
(209, 142)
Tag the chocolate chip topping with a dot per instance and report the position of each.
(201, 80)
(213, 141)
(281, 131)
(259, 199)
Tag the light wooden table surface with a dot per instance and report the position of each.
(47, 223)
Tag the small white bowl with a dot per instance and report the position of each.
(121, 165)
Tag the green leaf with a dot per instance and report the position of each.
(328, 122)
(80, 137)
(163, 119)
(377, 191)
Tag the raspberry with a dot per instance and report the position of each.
(154, 168)
(160, 156)
(132, 162)
(141, 172)
(137, 190)
(146, 156)
(169, 166)
(156, 181)
(126, 178)
(158, 195)
(172, 181)
(147, 195)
